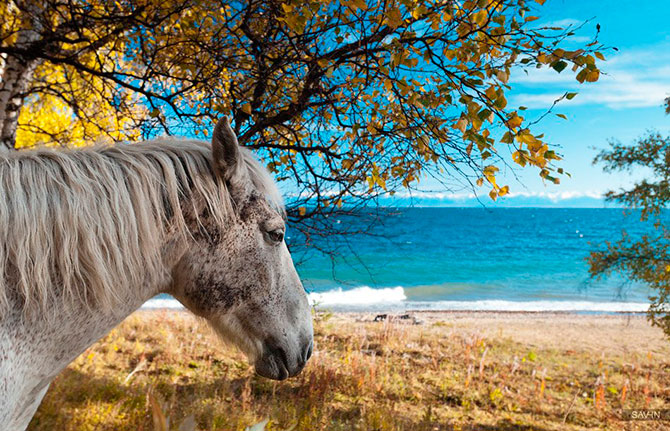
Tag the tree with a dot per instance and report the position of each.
(343, 99)
(645, 259)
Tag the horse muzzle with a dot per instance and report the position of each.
(279, 363)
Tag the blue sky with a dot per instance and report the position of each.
(625, 103)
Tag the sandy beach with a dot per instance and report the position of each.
(620, 333)
(422, 371)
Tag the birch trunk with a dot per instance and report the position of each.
(15, 79)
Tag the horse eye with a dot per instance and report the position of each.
(276, 235)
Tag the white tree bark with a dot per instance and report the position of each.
(16, 77)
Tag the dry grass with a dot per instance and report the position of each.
(163, 370)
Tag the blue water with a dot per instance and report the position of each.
(528, 259)
(471, 258)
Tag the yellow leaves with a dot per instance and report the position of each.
(514, 120)
(544, 173)
(302, 211)
(48, 119)
(519, 157)
(461, 124)
(531, 141)
(294, 18)
(375, 92)
(490, 174)
(393, 18)
(418, 12)
(550, 154)
(376, 179)
(450, 54)
(480, 17)
(397, 57)
(468, 149)
(355, 4)
(588, 74)
(246, 108)
(592, 75)
(502, 75)
(411, 62)
(491, 92)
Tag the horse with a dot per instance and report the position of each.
(88, 235)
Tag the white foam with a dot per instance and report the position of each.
(366, 298)
(359, 296)
(156, 303)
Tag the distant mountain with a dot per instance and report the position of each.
(540, 200)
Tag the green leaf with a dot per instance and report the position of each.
(484, 114)
(559, 65)
(507, 138)
(570, 96)
(562, 116)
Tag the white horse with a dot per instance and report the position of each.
(88, 235)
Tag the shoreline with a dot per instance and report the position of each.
(620, 333)
(477, 306)
(437, 312)
(604, 333)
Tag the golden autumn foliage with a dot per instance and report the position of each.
(344, 99)
(48, 118)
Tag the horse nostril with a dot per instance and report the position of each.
(307, 353)
(278, 353)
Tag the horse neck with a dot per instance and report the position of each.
(34, 350)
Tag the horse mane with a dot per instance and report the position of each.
(87, 224)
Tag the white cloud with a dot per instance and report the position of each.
(631, 79)
(566, 22)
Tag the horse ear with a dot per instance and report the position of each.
(226, 155)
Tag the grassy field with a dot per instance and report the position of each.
(449, 372)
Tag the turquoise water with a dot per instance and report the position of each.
(528, 259)
(472, 258)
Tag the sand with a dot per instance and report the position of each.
(616, 333)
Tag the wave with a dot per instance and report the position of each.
(358, 296)
(366, 298)
(161, 303)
